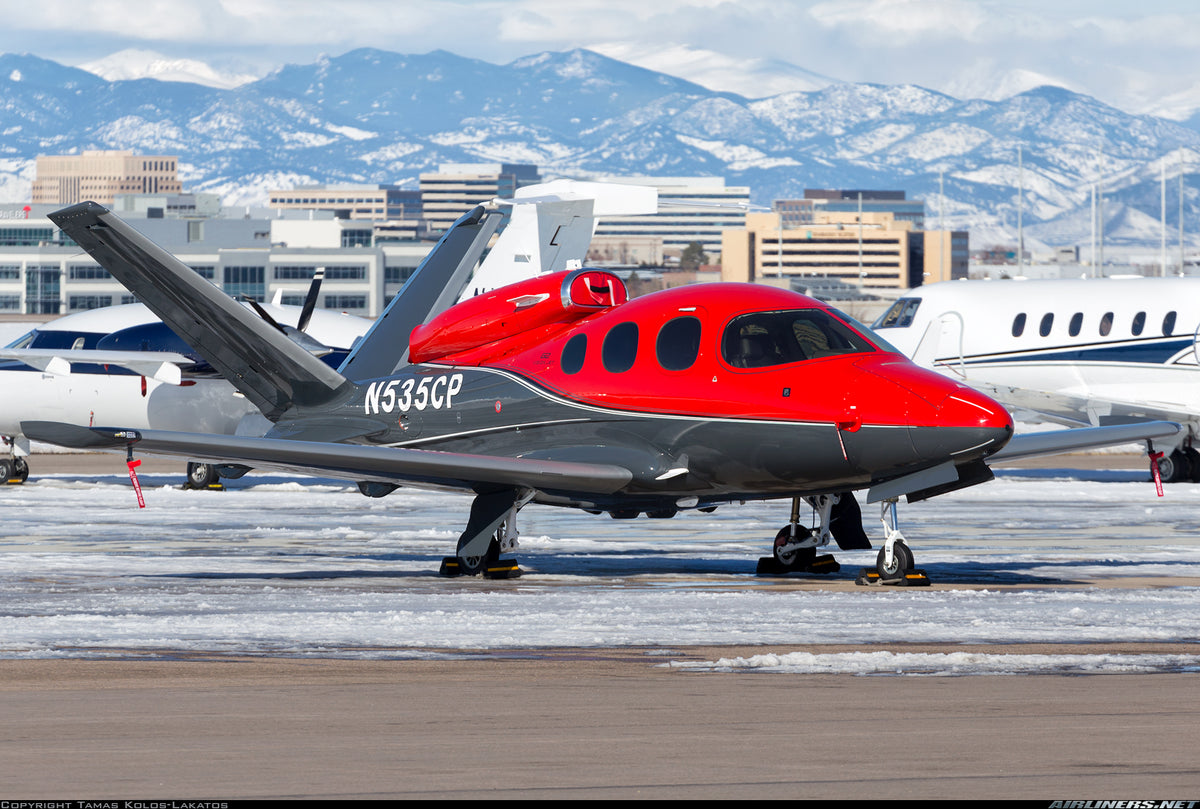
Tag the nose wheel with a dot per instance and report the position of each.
(894, 564)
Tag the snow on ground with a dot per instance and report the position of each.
(311, 568)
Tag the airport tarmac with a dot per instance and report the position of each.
(157, 719)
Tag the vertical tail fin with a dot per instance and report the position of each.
(433, 288)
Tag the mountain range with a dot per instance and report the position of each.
(373, 116)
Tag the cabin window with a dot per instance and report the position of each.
(1106, 324)
(620, 348)
(1047, 324)
(763, 339)
(1168, 324)
(573, 354)
(1018, 325)
(899, 315)
(1139, 323)
(1075, 325)
(678, 343)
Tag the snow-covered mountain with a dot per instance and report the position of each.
(376, 116)
(133, 63)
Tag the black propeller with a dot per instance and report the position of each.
(310, 302)
(297, 334)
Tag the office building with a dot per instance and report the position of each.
(101, 176)
(875, 254)
(690, 209)
(42, 272)
(458, 187)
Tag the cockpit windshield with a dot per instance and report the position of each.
(763, 339)
(24, 340)
(899, 315)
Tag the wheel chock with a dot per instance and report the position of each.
(502, 569)
(770, 566)
(824, 564)
(499, 569)
(869, 576)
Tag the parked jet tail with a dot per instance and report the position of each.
(433, 288)
(272, 371)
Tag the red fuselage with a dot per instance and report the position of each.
(755, 391)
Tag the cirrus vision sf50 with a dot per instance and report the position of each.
(559, 390)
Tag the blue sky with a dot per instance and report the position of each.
(1142, 57)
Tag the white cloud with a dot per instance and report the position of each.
(1135, 56)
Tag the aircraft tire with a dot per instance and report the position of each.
(1193, 457)
(474, 565)
(902, 560)
(6, 470)
(798, 558)
(1174, 467)
(20, 471)
(201, 475)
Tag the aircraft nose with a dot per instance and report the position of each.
(978, 421)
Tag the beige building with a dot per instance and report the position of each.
(877, 254)
(101, 176)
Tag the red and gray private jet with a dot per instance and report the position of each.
(560, 390)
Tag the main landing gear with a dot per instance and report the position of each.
(1181, 465)
(13, 470)
(491, 531)
(795, 548)
(203, 476)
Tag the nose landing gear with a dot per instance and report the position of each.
(894, 565)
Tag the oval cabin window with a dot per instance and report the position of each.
(1168, 324)
(1018, 325)
(1106, 324)
(620, 348)
(1047, 324)
(678, 343)
(573, 353)
(1139, 323)
(1075, 325)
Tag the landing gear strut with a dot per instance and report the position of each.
(894, 565)
(795, 547)
(13, 468)
(491, 530)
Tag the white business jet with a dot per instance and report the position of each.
(106, 365)
(1080, 352)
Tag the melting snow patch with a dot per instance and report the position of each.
(949, 664)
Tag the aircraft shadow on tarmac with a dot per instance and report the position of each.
(592, 567)
(600, 564)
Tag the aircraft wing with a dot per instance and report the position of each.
(1056, 442)
(355, 462)
(161, 365)
(1078, 411)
